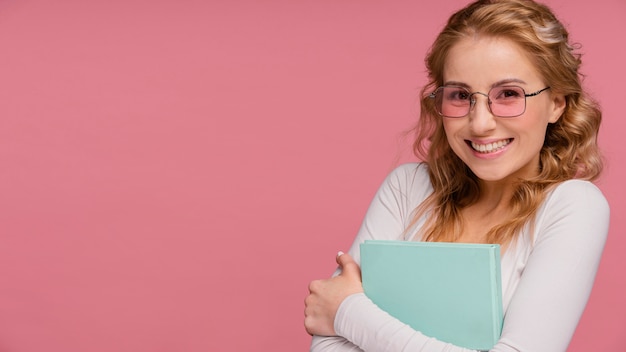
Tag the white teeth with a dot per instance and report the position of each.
(491, 147)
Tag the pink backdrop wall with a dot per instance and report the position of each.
(174, 173)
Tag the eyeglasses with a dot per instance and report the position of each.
(504, 101)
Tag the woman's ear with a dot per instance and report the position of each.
(558, 107)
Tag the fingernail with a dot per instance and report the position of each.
(339, 254)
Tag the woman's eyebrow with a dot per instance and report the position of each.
(508, 81)
(502, 82)
(455, 83)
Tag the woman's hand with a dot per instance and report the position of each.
(326, 295)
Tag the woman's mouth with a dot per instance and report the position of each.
(490, 147)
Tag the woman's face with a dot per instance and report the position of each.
(498, 148)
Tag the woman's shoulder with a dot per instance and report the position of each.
(575, 213)
(579, 191)
(577, 198)
(409, 182)
(410, 173)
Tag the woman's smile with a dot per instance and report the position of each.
(489, 147)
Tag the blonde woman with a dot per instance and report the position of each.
(508, 139)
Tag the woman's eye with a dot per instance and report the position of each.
(508, 94)
(458, 95)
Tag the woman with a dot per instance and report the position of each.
(508, 137)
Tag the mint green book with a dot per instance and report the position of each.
(449, 291)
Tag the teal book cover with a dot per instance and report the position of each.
(449, 291)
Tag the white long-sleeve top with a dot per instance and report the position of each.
(547, 273)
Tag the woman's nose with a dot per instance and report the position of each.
(482, 121)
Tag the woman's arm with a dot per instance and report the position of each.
(549, 299)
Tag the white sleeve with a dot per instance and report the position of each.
(560, 271)
(549, 300)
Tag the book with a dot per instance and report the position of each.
(449, 291)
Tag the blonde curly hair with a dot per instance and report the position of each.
(570, 148)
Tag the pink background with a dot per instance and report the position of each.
(174, 173)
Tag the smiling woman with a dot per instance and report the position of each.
(500, 166)
(484, 63)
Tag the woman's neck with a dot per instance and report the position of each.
(491, 209)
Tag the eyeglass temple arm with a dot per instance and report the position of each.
(536, 93)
